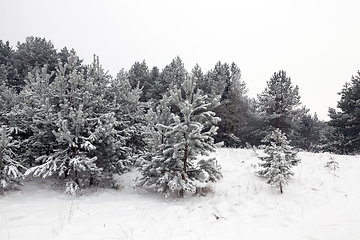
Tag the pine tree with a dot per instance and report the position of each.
(234, 110)
(64, 55)
(62, 117)
(139, 76)
(8, 72)
(154, 82)
(310, 133)
(11, 126)
(129, 112)
(35, 52)
(13, 117)
(280, 158)
(346, 122)
(10, 165)
(198, 75)
(8, 100)
(155, 164)
(178, 139)
(78, 131)
(196, 129)
(40, 115)
(173, 75)
(280, 103)
(216, 79)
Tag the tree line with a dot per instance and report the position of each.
(62, 118)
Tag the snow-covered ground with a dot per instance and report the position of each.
(317, 204)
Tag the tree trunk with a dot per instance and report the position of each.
(76, 172)
(278, 123)
(1, 159)
(281, 190)
(76, 177)
(91, 180)
(185, 159)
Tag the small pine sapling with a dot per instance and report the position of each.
(280, 158)
(332, 164)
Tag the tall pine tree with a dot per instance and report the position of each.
(346, 122)
(280, 104)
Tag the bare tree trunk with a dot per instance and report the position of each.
(91, 180)
(76, 172)
(76, 177)
(185, 159)
(1, 159)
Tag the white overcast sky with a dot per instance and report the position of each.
(317, 42)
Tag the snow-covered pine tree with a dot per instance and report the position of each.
(195, 128)
(40, 115)
(11, 119)
(174, 167)
(12, 111)
(85, 125)
(67, 117)
(129, 112)
(156, 164)
(112, 98)
(280, 158)
(10, 166)
(173, 75)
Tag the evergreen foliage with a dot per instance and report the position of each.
(153, 93)
(8, 71)
(198, 75)
(80, 124)
(176, 140)
(129, 112)
(77, 123)
(173, 75)
(156, 165)
(235, 110)
(311, 133)
(139, 76)
(280, 104)
(8, 104)
(346, 122)
(63, 128)
(10, 166)
(280, 158)
(216, 80)
(34, 52)
(332, 164)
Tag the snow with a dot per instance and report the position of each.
(318, 203)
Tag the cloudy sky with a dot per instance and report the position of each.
(317, 42)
